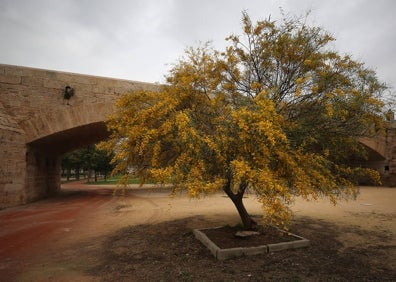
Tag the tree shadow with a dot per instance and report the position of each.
(168, 251)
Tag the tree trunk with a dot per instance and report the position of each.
(77, 173)
(236, 198)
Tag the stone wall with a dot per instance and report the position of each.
(388, 168)
(37, 125)
(12, 164)
(34, 98)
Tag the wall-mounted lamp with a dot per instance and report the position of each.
(68, 93)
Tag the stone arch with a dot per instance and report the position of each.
(44, 156)
(68, 118)
(38, 125)
(55, 134)
(376, 147)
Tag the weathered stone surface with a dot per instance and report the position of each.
(37, 125)
(10, 79)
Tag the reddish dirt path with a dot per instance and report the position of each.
(45, 240)
(26, 231)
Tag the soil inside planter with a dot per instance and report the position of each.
(224, 237)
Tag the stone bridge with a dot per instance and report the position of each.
(382, 154)
(38, 125)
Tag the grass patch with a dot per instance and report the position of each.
(114, 180)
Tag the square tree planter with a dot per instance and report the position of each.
(226, 253)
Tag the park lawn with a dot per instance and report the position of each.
(114, 180)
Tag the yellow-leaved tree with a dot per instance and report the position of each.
(278, 113)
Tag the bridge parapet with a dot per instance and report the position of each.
(35, 97)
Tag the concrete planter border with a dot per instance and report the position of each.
(222, 254)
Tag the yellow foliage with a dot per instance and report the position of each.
(329, 109)
(276, 116)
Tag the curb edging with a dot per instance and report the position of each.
(223, 254)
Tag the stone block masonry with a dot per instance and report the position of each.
(37, 125)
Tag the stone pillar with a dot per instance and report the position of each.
(26, 173)
(43, 174)
(12, 164)
(389, 176)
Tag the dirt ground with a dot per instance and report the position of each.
(86, 234)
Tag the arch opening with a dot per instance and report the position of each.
(44, 156)
(71, 139)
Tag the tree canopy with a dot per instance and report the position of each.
(88, 158)
(278, 113)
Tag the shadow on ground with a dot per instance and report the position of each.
(168, 251)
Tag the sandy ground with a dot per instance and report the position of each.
(60, 239)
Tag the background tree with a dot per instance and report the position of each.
(102, 163)
(278, 113)
(73, 161)
(90, 159)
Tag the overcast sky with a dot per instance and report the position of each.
(140, 39)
